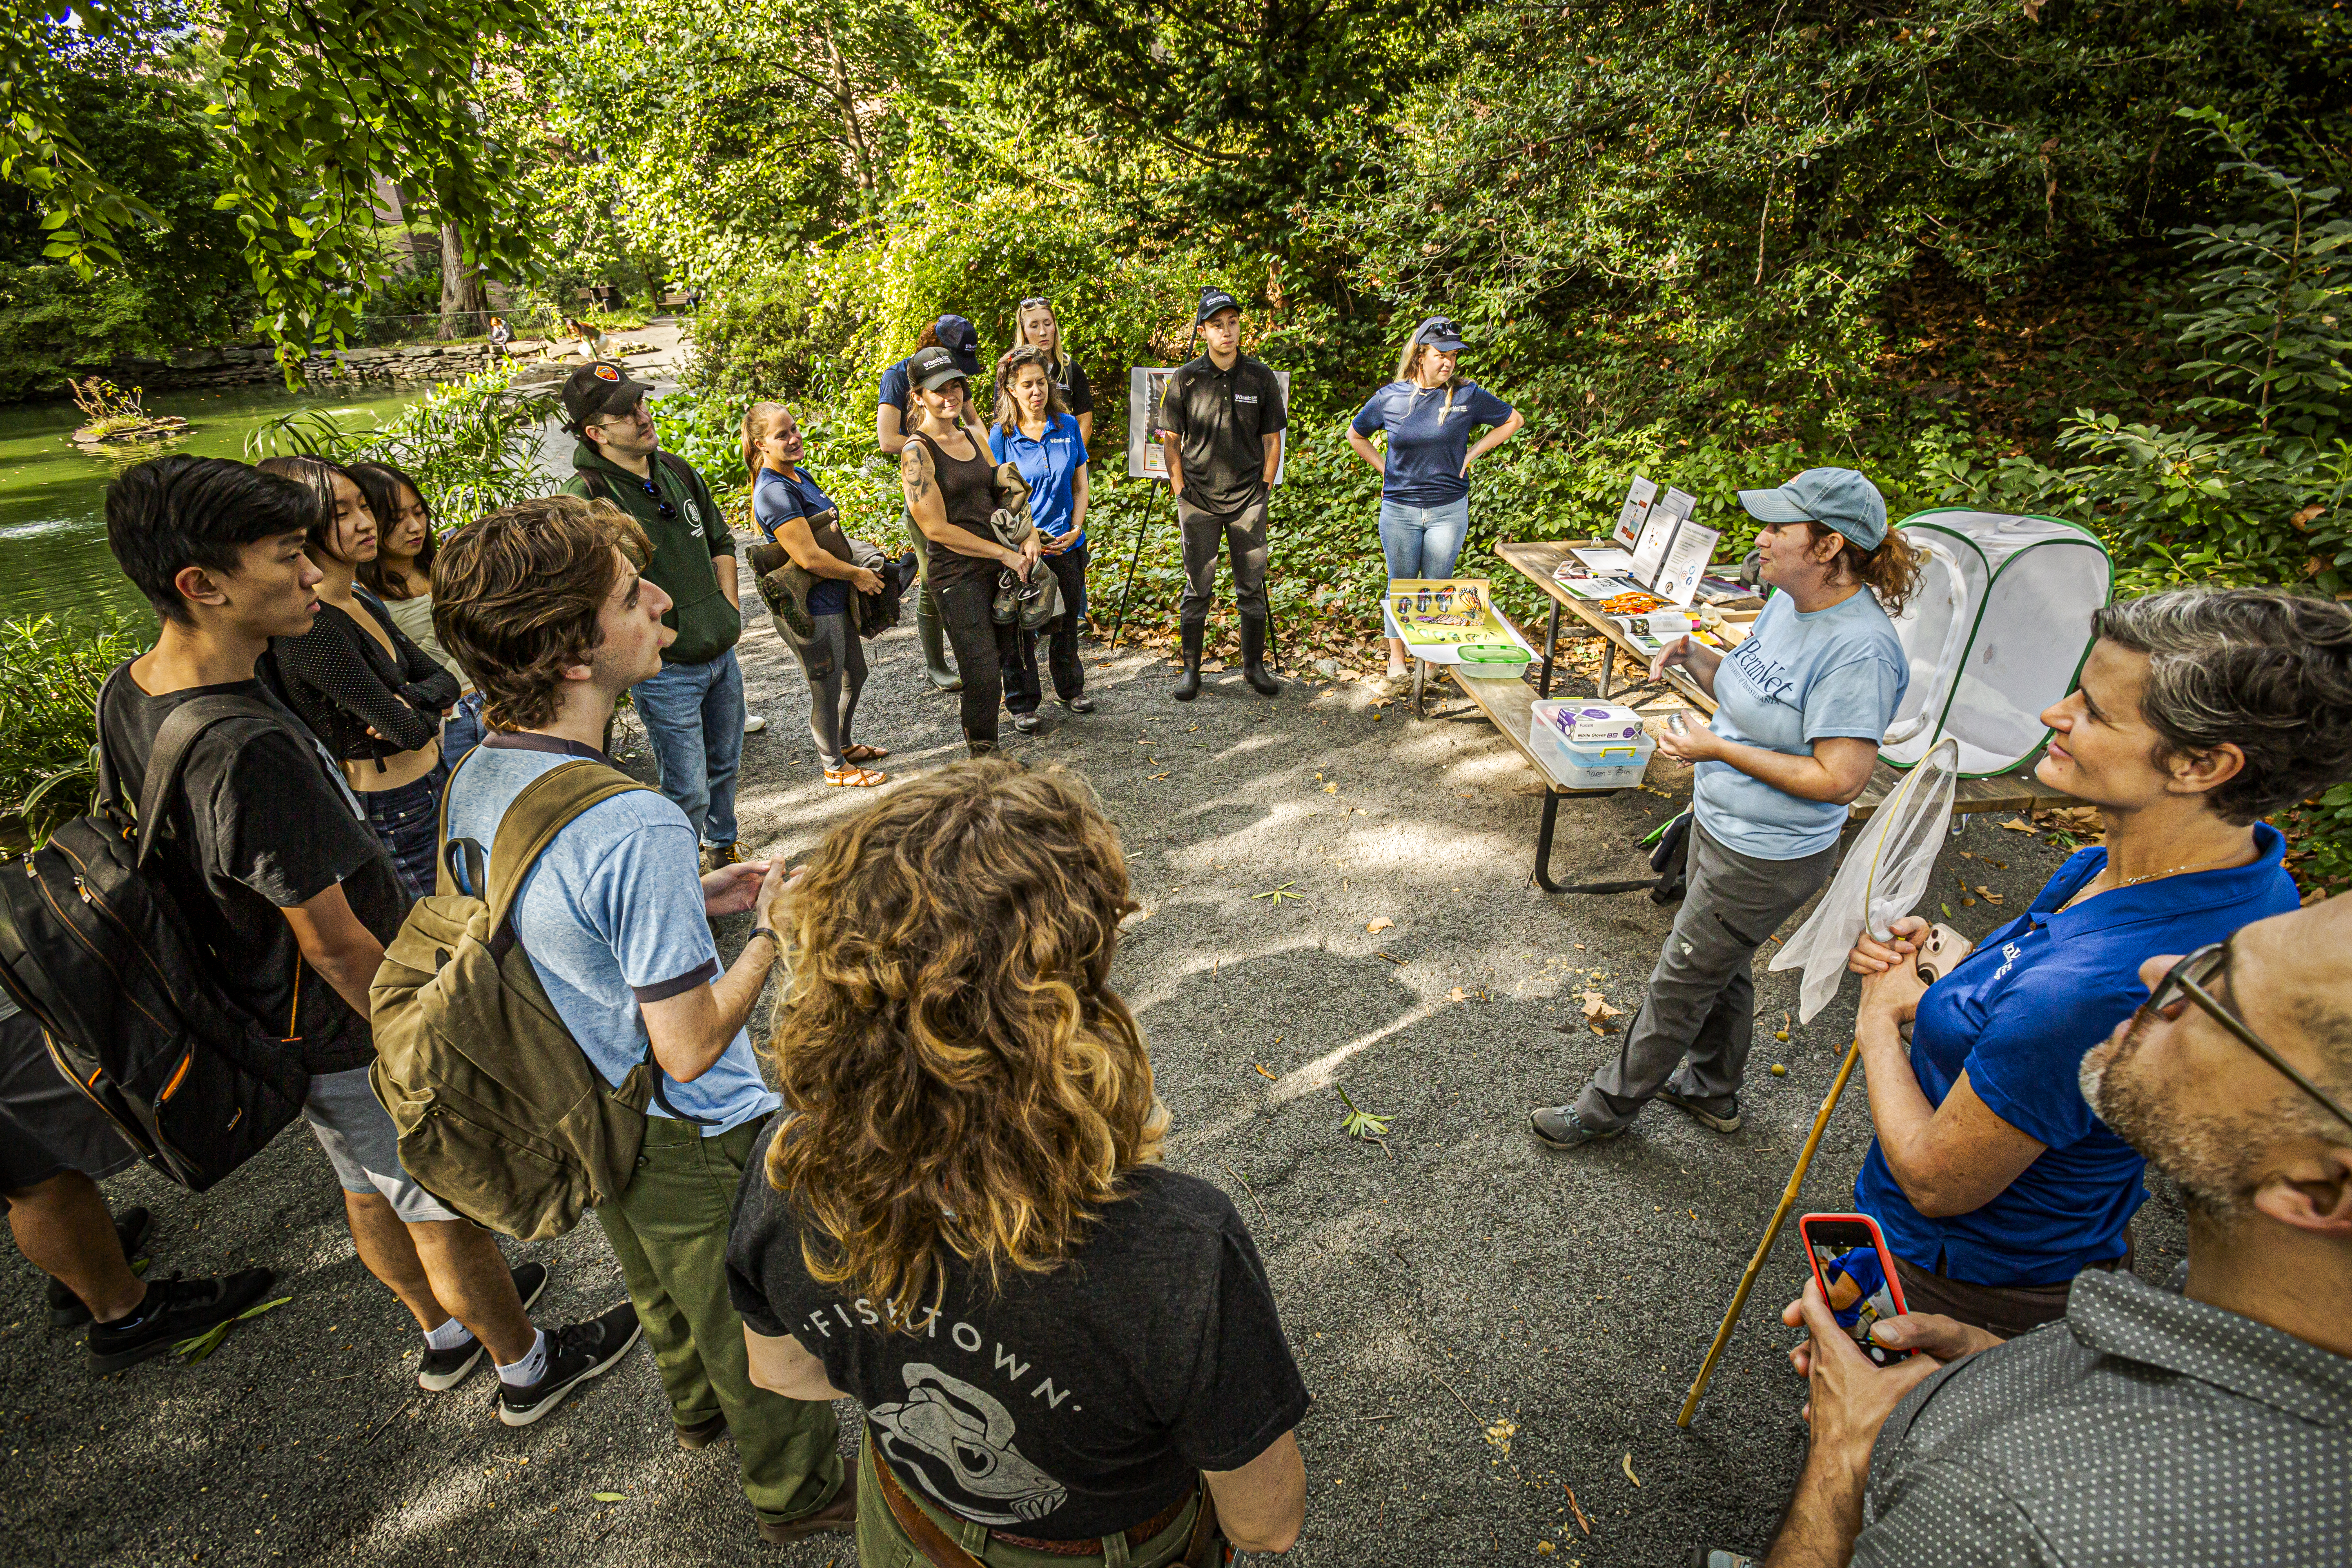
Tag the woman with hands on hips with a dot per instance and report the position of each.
(2198, 713)
(1429, 412)
(1801, 707)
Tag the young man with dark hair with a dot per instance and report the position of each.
(2209, 1421)
(1221, 423)
(693, 706)
(267, 856)
(544, 604)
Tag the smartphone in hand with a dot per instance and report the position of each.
(1856, 1276)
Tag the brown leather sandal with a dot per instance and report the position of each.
(864, 753)
(854, 777)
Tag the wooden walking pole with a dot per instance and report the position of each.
(1772, 1234)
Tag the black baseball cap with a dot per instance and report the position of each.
(1438, 332)
(1212, 302)
(598, 387)
(934, 367)
(961, 339)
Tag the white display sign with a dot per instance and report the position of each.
(1146, 385)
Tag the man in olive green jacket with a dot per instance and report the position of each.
(693, 711)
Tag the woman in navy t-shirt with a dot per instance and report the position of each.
(801, 521)
(1037, 434)
(1428, 412)
(2198, 714)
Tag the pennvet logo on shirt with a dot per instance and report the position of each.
(1244, 398)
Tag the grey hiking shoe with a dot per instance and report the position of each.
(1726, 1120)
(1716, 1557)
(1557, 1126)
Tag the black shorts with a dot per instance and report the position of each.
(46, 1124)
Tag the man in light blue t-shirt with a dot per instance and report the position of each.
(1802, 705)
(543, 608)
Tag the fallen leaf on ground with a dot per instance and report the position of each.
(1457, 995)
(1262, 1067)
(610, 1497)
(1582, 1523)
(1627, 1464)
(2014, 826)
(1331, 789)
(1500, 1434)
(1596, 1008)
(1379, 925)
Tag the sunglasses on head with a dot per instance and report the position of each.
(1033, 304)
(2187, 981)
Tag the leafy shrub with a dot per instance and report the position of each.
(50, 670)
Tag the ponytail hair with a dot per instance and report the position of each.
(1890, 570)
(755, 428)
(1410, 361)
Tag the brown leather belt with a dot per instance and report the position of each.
(942, 1550)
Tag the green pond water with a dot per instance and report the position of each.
(53, 554)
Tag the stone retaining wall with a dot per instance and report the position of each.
(237, 365)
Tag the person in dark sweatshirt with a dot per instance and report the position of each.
(693, 711)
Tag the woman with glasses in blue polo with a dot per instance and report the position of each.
(2198, 714)
(1428, 411)
(1036, 432)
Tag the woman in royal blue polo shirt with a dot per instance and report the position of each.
(2198, 714)
(1036, 433)
(1429, 412)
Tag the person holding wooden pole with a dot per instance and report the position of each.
(1805, 703)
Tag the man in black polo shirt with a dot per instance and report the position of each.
(1221, 423)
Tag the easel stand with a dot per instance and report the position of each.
(1772, 1234)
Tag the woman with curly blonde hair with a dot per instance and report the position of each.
(1066, 1352)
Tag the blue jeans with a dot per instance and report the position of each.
(1421, 542)
(693, 715)
(462, 730)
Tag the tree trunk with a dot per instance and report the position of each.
(461, 288)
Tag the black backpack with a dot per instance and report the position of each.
(94, 949)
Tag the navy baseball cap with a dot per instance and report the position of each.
(1438, 332)
(934, 367)
(961, 339)
(1212, 302)
(1835, 498)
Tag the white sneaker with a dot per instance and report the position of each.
(753, 723)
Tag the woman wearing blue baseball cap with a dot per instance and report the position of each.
(1429, 412)
(1802, 705)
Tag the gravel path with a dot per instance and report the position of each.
(1485, 1323)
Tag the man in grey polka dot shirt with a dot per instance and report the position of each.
(2208, 1422)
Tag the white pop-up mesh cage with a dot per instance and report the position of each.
(1997, 633)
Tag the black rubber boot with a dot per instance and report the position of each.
(1253, 658)
(933, 636)
(1188, 685)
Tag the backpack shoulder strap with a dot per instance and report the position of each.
(178, 737)
(546, 805)
(679, 467)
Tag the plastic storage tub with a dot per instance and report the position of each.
(1586, 723)
(1614, 765)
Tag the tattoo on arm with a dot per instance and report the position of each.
(915, 469)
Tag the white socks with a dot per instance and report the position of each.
(530, 1368)
(448, 1337)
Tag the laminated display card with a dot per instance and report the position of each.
(1686, 562)
(1638, 497)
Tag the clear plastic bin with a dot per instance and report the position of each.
(1617, 764)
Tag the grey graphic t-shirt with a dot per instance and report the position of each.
(1079, 1402)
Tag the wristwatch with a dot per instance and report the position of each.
(768, 931)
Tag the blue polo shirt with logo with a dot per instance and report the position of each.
(1049, 468)
(1429, 438)
(2017, 1016)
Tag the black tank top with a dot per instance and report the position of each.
(966, 487)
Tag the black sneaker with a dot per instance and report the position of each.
(131, 1228)
(1698, 1110)
(575, 1353)
(447, 1368)
(174, 1309)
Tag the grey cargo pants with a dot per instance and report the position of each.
(1693, 1027)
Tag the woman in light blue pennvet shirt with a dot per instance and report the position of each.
(1803, 706)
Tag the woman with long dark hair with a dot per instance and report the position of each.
(401, 577)
(949, 477)
(801, 521)
(1034, 432)
(369, 694)
(1066, 1352)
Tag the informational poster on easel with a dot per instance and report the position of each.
(1147, 385)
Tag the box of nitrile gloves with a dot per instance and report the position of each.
(1585, 723)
